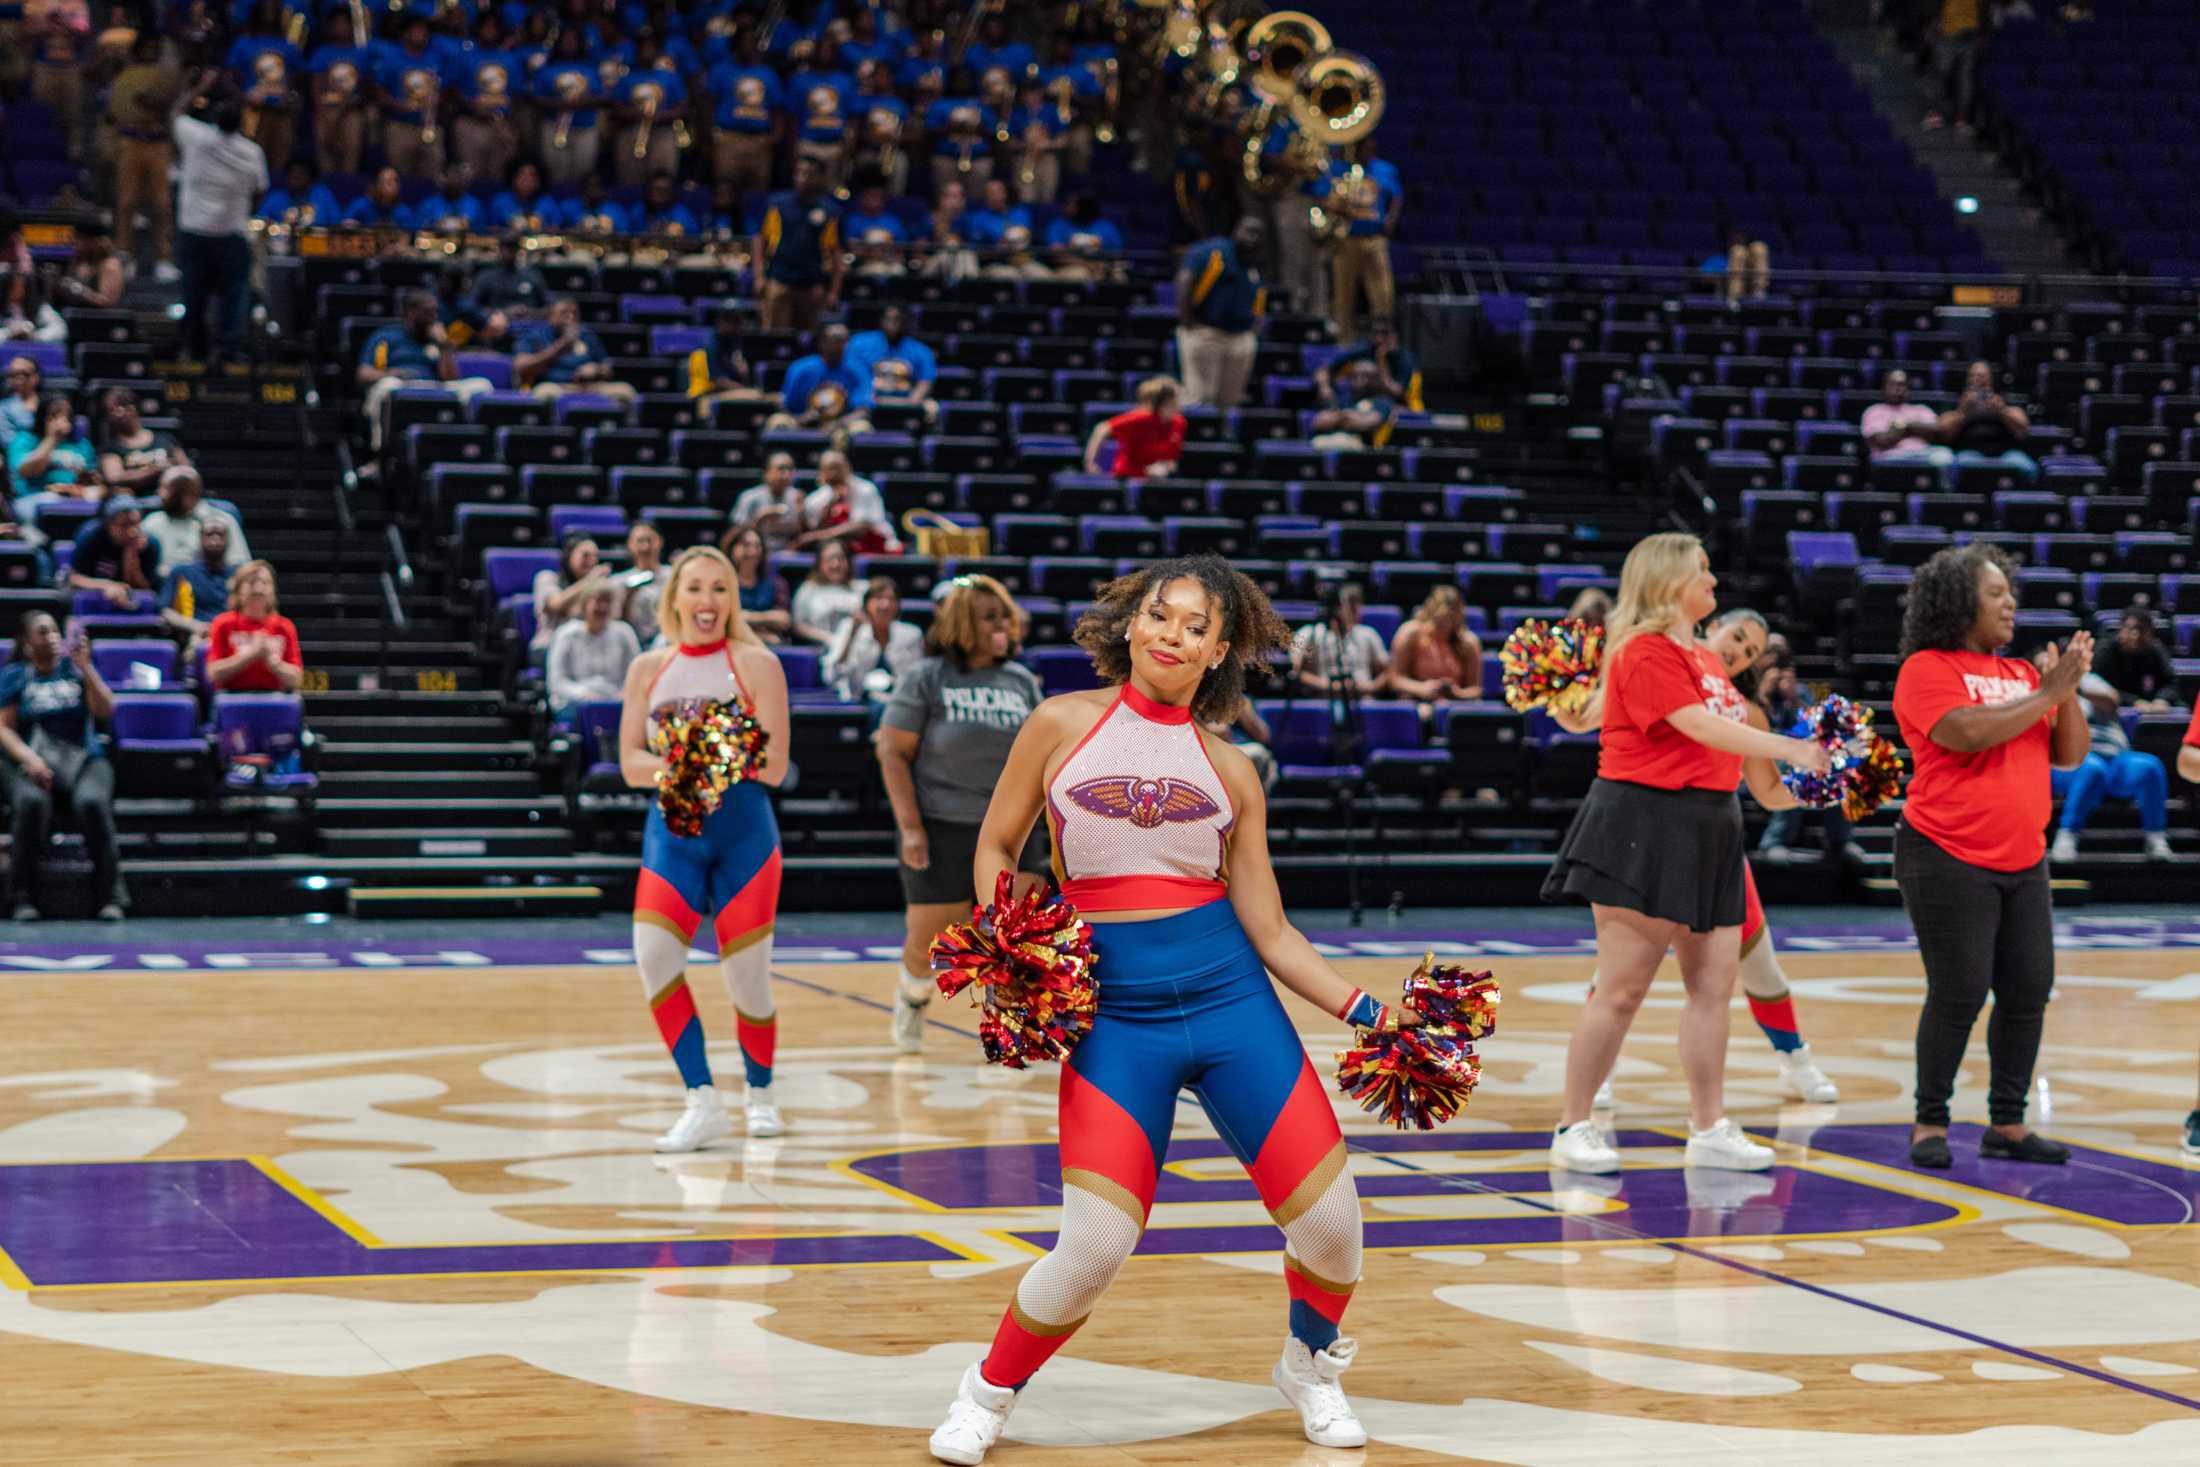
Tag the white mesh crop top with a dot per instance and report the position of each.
(1139, 812)
(698, 675)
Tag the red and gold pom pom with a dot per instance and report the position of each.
(1866, 770)
(708, 746)
(1032, 961)
(1876, 779)
(1424, 1075)
(1552, 665)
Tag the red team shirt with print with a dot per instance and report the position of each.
(1988, 808)
(1143, 440)
(1653, 678)
(2192, 729)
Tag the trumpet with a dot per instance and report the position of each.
(362, 31)
(648, 126)
(564, 129)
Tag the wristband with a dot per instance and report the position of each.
(1363, 1012)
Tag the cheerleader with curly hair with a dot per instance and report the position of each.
(1161, 839)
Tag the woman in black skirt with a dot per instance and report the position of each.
(1970, 853)
(1656, 849)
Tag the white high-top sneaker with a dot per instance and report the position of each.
(1581, 1147)
(763, 1115)
(909, 1020)
(974, 1420)
(704, 1121)
(1801, 1074)
(1308, 1380)
(1725, 1148)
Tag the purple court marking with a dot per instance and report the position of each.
(159, 1222)
(2127, 1190)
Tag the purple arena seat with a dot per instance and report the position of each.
(264, 733)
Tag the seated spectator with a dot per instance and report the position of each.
(824, 391)
(1081, 242)
(595, 212)
(114, 556)
(19, 407)
(1364, 414)
(773, 508)
(1148, 439)
(762, 591)
(93, 278)
(382, 206)
(197, 586)
(875, 234)
(1397, 371)
(559, 355)
(644, 580)
(2136, 664)
(53, 462)
(175, 526)
(589, 655)
(2112, 770)
(451, 209)
(133, 457)
(1896, 428)
(661, 211)
(523, 206)
(827, 597)
(1340, 647)
(901, 369)
(989, 226)
(48, 699)
(415, 352)
(24, 312)
(1249, 734)
(1984, 429)
(1592, 605)
(1013, 259)
(1435, 656)
(560, 594)
(252, 647)
(512, 283)
(952, 255)
(874, 650)
(719, 371)
(846, 508)
(301, 201)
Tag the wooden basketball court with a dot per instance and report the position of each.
(412, 1217)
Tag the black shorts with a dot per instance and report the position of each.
(954, 852)
(1672, 854)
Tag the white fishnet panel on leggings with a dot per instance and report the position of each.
(1761, 975)
(749, 978)
(660, 956)
(1096, 1237)
(1325, 1238)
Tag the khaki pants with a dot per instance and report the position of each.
(743, 161)
(946, 171)
(1748, 271)
(141, 182)
(895, 169)
(407, 149)
(339, 139)
(1362, 260)
(483, 147)
(378, 396)
(1038, 181)
(1300, 265)
(790, 307)
(662, 155)
(552, 391)
(1216, 364)
(62, 88)
(573, 162)
(277, 135)
(830, 158)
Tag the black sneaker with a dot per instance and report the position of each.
(2192, 1134)
(1931, 1151)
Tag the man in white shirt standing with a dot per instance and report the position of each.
(221, 175)
(1897, 428)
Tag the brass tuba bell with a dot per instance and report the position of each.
(1337, 99)
(1276, 46)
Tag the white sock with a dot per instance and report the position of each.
(917, 988)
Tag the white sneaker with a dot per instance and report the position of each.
(1581, 1147)
(1308, 1380)
(2157, 844)
(704, 1121)
(1603, 1100)
(2066, 847)
(1725, 1148)
(908, 1023)
(1805, 1079)
(166, 273)
(974, 1420)
(764, 1119)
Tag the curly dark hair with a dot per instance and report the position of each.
(1943, 605)
(1248, 623)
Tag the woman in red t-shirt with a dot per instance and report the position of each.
(1148, 439)
(251, 647)
(1657, 847)
(1970, 853)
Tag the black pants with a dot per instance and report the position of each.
(217, 290)
(92, 797)
(1979, 932)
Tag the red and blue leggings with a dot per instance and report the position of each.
(1186, 1004)
(730, 874)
